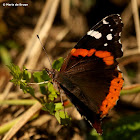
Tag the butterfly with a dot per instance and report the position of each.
(90, 75)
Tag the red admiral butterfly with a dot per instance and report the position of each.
(89, 75)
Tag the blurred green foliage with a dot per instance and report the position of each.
(126, 128)
(5, 55)
(85, 5)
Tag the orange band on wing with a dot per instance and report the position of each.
(107, 57)
(82, 52)
(102, 54)
(91, 52)
(113, 95)
(109, 60)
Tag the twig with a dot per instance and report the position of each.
(23, 120)
(38, 83)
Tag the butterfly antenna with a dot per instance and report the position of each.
(32, 70)
(44, 50)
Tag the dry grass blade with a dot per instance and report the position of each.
(23, 120)
(31, 43)
(44, 32)
(127, 14)
(65, 10)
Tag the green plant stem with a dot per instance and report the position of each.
(18, 102)
(131, 90)
(4, 128)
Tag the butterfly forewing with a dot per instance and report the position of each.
(105, 35)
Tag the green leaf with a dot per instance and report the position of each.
(62, 117)
(45, 76)
(52, 92)
(57, 116)
(15, 81)
(15, 71)
(26, 88)
(58, 106)
(49, 107)
(43, 89)
(65, 119)
(41, 76)
(26, 75)
(58, 63)
(30, 90)
(23, 86)
(50, 87)
(52, 96)
(37, 77)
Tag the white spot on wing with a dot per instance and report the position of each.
(119, 33)
(105, 44)
(118, 68)
(109, 37)
(95, 34)
(105, 22)
(89, 32)
(111, 30)
(119, 16)
(122, 49)
(119, 41)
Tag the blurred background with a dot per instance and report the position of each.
(60, 24)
